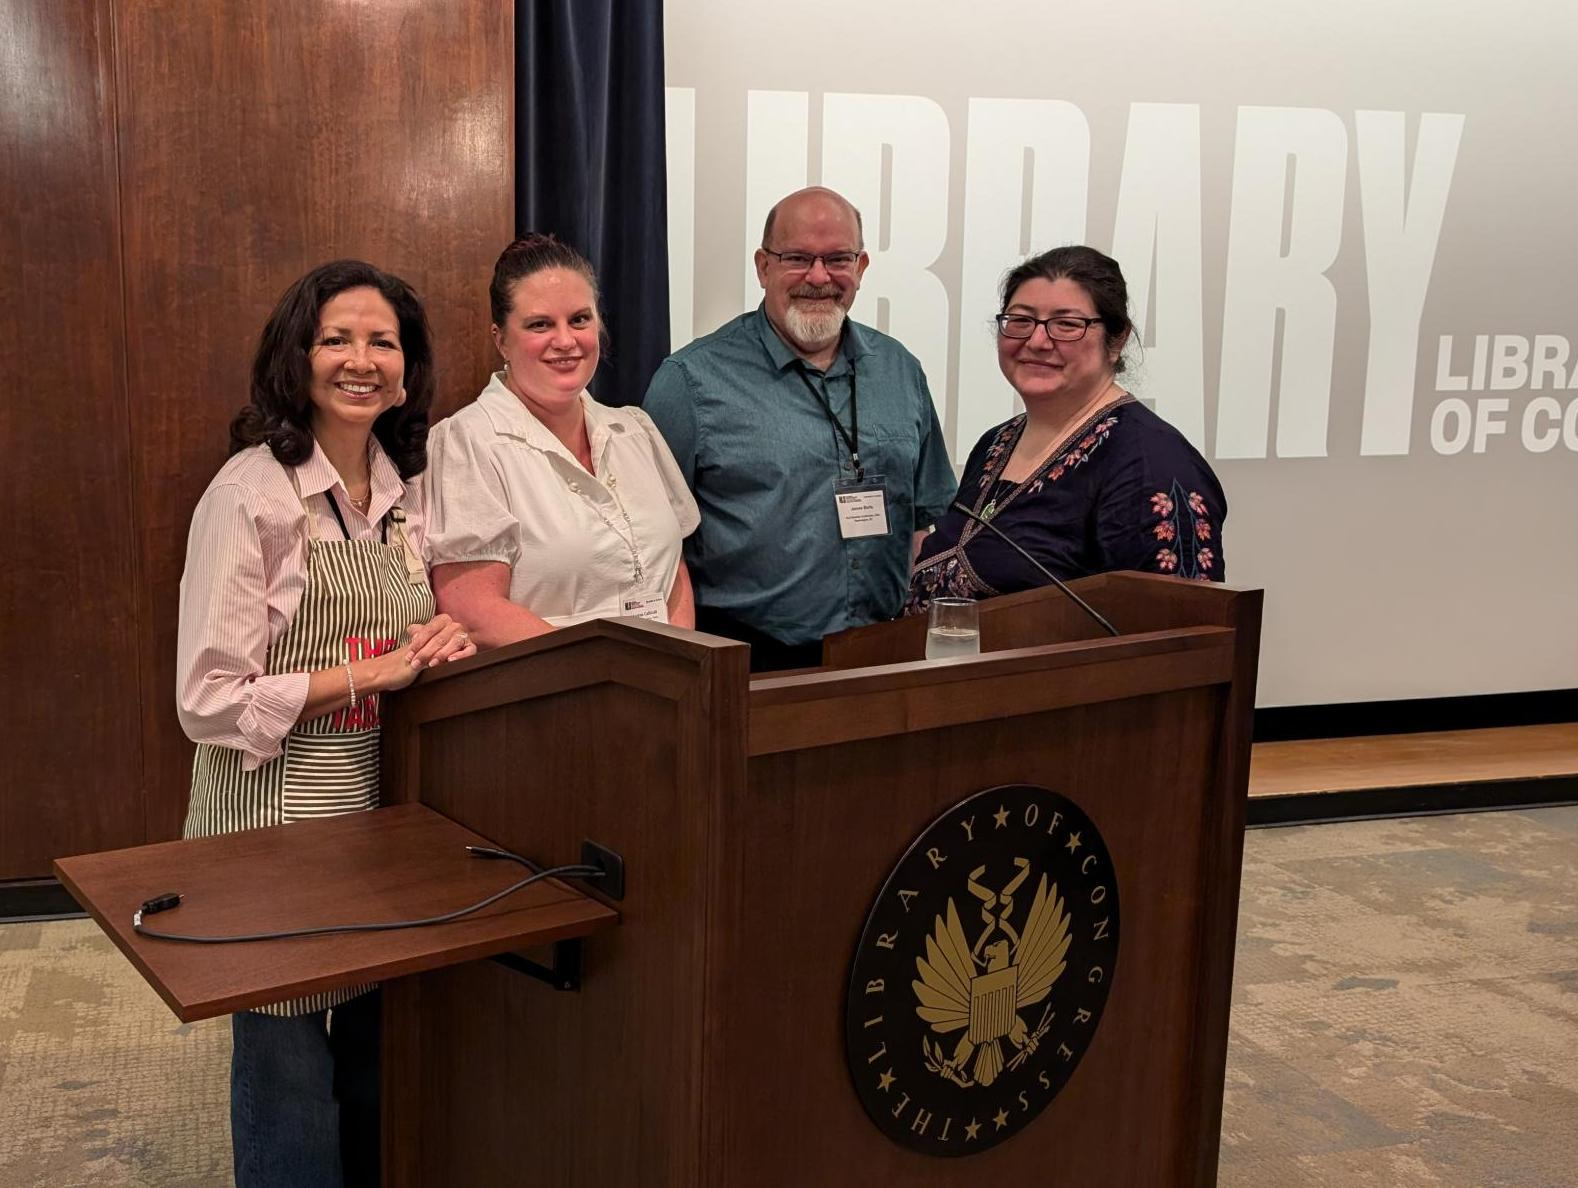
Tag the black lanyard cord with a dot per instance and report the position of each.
(850, 436)
(383, 524)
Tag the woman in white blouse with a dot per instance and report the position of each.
(545, 507)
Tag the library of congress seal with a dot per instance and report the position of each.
(981, 975)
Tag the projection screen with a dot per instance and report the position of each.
(1348, 237)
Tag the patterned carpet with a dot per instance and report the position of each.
(99, 1083)
(1406, 1016)
(1406, 1005)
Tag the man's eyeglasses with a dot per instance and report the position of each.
(1060, 329)
(805, 261)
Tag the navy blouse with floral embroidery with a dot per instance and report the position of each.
(1125, 491)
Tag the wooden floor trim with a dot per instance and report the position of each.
(1499, 755)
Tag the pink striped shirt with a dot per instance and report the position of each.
(246, 568)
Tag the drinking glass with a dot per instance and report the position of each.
(955, 629)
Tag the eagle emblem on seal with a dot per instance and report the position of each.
(977, 991)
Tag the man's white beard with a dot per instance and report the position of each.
(813, 331)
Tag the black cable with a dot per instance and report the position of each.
(167, 901)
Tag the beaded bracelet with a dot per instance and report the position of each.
(351, 681)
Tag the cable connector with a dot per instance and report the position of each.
(159, 903)
(491, 852)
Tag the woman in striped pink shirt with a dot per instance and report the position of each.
(305, 597)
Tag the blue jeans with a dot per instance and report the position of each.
(304, 1097)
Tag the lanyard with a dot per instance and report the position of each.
(629, 542)
(383, 524)
(851, 436)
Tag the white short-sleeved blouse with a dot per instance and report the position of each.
(501, 487)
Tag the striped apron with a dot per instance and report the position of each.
(359, 599)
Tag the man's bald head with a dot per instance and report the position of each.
(813, 196)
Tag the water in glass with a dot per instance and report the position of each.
(944, 643)
(954, 630)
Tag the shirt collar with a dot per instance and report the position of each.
(388, 486)
(317, 475)
(509, 418)
(855, 342)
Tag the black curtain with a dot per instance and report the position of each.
(589, 164)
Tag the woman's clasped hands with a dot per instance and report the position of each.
(437, 641)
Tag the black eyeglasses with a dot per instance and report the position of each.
(805, 261)
(1062, 328)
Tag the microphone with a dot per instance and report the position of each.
(1039, 568)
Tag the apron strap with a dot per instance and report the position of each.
(312, 527)
(415, 571)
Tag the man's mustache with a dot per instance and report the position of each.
(815, 291)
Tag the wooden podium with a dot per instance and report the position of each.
(759, 819)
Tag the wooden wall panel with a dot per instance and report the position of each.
(71, 777)
(258, 140)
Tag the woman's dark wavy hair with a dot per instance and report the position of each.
(530, 254)
(280, 410)
(1097, 274)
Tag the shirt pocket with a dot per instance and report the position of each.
(893, 451)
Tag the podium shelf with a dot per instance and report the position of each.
(396, 863)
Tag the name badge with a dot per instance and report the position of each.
(862, 506)
(645, 606)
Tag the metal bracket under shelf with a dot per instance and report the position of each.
(563, 974)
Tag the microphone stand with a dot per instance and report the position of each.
(1039, 568)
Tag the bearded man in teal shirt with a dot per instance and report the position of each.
(811, 444)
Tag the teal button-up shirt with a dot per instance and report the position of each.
(761, 459)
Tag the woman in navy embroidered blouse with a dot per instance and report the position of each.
(1087, 479)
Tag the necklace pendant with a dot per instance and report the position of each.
(989, 510)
